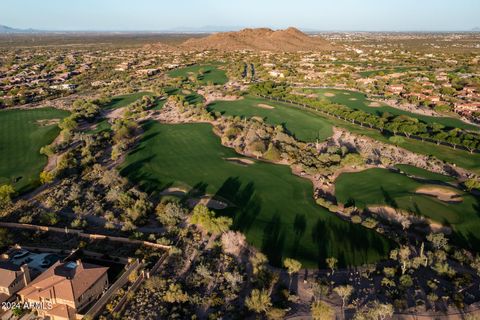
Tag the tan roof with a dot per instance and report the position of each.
(66, 281)
(3, 297)
(8, 273)
(62, 311)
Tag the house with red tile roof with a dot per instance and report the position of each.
(65, 289)
(12, 279)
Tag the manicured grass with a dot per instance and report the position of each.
(211, 74)
(159, 104)
(461, 158)
(21, 137)
(369, 73)
(422, 173)
(102, 125)
(302, 124)
(190, 96)
(383, 187)
(115, 103)
(358, 101)
(125, 100)
(274, 208)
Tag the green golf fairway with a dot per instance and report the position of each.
(383, 187)
(358, 101)
(377, 72)
(21, 137)
(274, 208)
(125, 100)
(303, 125)
(422, 173)
(211, 74)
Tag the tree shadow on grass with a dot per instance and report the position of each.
(320, 238)
(132, 170)
(350, 244)
(136, 150)
(470, 240)
(145, 180)
(199, 189)
(112, 104)
(299, 226)
(247, 205)
(274, 240)
(389, 200)
(191, 98)
(229, 189)
(287, 131)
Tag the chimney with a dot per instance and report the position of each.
(26, 274)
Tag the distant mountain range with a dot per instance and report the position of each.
(205, 29)
(6, 29)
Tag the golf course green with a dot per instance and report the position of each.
(115, 103)
(300, 123)
(459, 157)
(274, 208)
(383, 187)
(22, 134)
(190, 96)
(377, 72)
(358, 101)
(125, 100)
(210, 73)
(422, 173)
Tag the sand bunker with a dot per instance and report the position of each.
(116, 113)
(329, 94)
(48, 122)
(374, 104)
(184, 91)
(208, 202)
(265, 106)
(257, 118)
(438, 227)
(353, 99)
(346, 93)
(173, 192)
(242, 161)
(441, 193)
(399, 215)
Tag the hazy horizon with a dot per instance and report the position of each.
(190, 15)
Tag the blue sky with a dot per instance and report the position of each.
(369, 15)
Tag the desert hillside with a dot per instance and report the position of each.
(262, 39)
